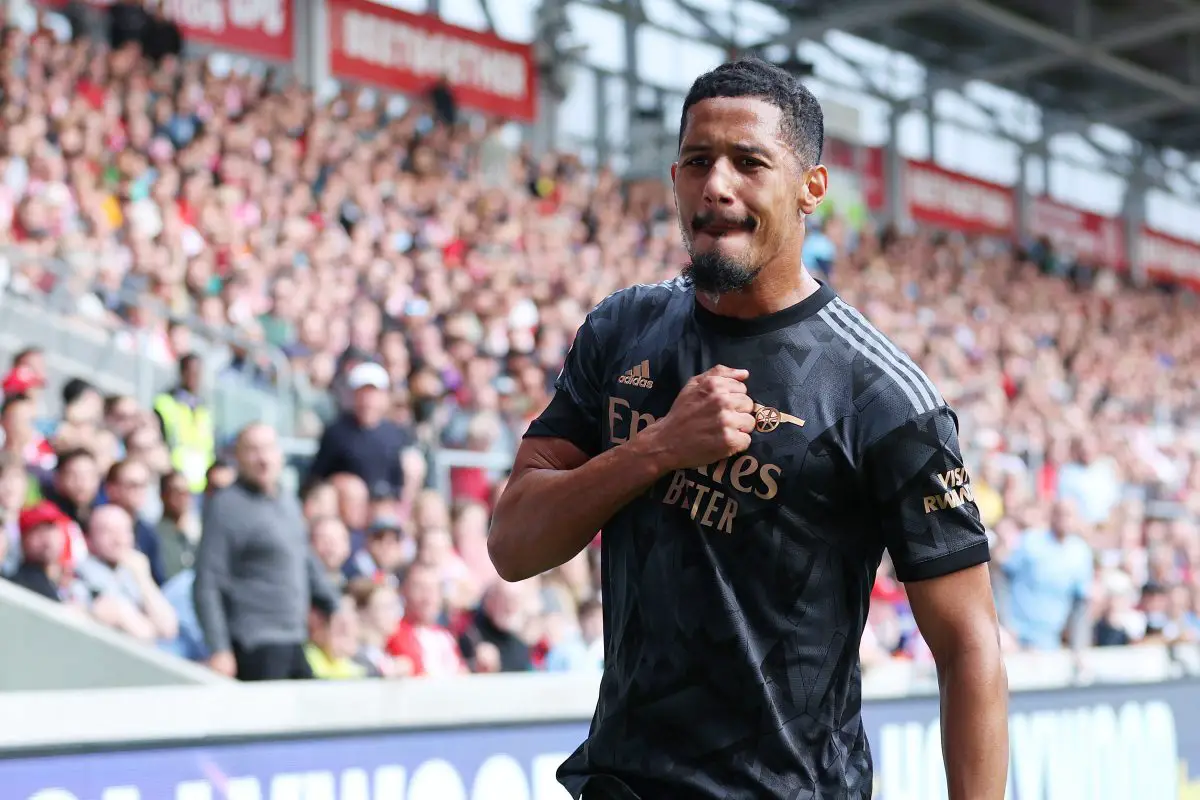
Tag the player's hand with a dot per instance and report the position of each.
(711, 419)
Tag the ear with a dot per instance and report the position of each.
(674, 169)
(813, 188)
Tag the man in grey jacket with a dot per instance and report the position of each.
(256, 577)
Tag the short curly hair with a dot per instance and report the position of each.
(803, 122)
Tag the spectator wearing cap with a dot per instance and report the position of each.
(384, 555)
(424, 644)
(126, 487)
(362, 441)
(32, 361)
(43, 537)
(22, 381)
(117, 575)
(14, 488)
(178, 529)
(256, 577)
(492, 641)
(187, 424)
(22, 438)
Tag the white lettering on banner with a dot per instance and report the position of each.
(500, 777)
(960, 198)
(267, 15)
(1090, 753)
(1068, 229)
(429, 54)
(436, 778)
(1181, 259)
(270, 15)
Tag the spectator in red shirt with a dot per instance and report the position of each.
(420, 637)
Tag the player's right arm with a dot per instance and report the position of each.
(564, 487)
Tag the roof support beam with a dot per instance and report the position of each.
(700, 18)
(1131, 115)
(850, 17)
(1122, 40)
(1076, 50)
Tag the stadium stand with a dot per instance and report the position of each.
(424, 282)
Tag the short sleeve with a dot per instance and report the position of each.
(923, 497)
(574, 411)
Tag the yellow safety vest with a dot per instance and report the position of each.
(190, 438)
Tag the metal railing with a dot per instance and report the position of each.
(120, 359)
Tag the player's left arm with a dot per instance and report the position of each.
(932, 529)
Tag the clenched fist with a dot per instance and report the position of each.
(711, 419)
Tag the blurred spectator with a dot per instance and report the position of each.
(83, 405)
(379, 610)
(178, 529)
(577, 644)
(23, 381)
(14, 489)
(363, 442)
(125, 487)
(75, 485)
(220, 475)
(187, 425)
(421, 638)
(117, 577)
(386, 553)
(1050, 577)
(492, 641)
(43, 536)
(21, 437)
(331, 544)
(256, 577)
(333, 643)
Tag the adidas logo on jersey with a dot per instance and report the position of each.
(638, 376)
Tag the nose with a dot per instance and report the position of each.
(718, 189)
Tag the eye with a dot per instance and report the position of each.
(698, 161)
(751, 163)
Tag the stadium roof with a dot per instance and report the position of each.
(1133, 64)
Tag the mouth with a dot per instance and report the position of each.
(716, 229)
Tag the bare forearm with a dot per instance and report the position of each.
(547, 516)
(974, 690)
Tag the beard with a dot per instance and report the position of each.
(715, 272)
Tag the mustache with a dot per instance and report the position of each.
(704, 221)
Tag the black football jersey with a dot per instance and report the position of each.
(735, 594)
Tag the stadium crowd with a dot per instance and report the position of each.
(427, 280)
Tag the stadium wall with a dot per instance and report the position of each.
(60, 651)
(502, 737)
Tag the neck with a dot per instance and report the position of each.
(777, 287)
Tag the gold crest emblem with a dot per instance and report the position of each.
(767, 419)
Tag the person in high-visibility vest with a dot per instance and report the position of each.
(187, 425)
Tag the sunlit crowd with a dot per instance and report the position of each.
(424, 276)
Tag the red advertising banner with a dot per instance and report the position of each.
(945, 199)
(263, 28)
(866, 163)
(1166, 258)
(1082, 234)
(410, 52)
